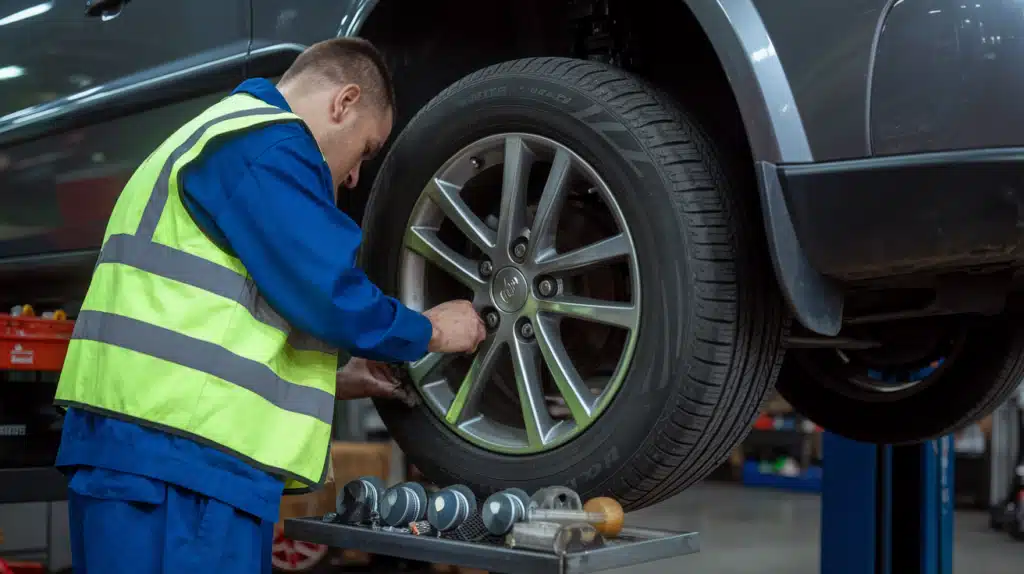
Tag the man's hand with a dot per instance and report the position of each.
(360, 378)
(457, 327)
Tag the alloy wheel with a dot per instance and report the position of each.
(494, 218)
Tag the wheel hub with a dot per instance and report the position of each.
(509, 290)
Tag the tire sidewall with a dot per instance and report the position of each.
(586, 124)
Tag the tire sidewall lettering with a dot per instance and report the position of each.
(594, 114)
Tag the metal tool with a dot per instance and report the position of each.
(556, 498)
(421, 528)
(503, 509)
(359, 500)
(603, 513)
(450, 507)
(554, 538)
(403, 503)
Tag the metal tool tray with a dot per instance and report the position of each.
(634, 546)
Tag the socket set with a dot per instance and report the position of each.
(553, 519)
(549, 531)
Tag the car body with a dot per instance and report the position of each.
(871, 79)
(885, 136)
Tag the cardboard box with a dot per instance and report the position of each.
(776, 405)
(312, 504)
(316, 503)
(352, 460)
(986, 426)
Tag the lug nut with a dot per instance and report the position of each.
(477, 162)
(519, 250)
(491, 319)
(526, 330)
(486, 268)
(546, 287)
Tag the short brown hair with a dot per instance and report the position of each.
(347, 60)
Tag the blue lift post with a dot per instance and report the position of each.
(887, 509)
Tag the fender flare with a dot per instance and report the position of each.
(354, 19)
(758, 80)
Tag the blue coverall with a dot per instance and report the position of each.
(143, 501)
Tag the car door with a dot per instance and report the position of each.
(83, 100)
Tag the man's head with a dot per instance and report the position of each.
(343, 91)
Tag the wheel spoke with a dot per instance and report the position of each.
(603, 252)
(531, 392)
(446, 195)
(497, 228)
(425, 242)
(512, 216)
(545, 222)
(616, 314)
(578, 397)
(421, 369)
(468, 395)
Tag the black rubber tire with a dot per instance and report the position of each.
(983, 376)
(713, 322)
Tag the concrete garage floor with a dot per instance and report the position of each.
(752, 531)
(756, 531)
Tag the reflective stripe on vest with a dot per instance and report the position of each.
(207, 356)
(184, 268)
(157, 200)
(164, 344)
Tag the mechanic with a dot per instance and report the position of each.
(199, 380)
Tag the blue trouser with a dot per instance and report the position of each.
(132, 524)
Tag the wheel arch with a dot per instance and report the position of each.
(757, 79)
(735, 31)
(430, 45)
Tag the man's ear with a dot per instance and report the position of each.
(344, 100)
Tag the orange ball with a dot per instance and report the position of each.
(612, 510)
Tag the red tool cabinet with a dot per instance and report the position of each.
(33, 343)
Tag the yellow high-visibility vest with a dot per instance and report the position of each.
(174, 335)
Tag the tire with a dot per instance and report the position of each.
(712, 322)
(985, 372)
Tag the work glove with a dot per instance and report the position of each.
(360, 378)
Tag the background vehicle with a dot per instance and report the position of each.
(649, 201)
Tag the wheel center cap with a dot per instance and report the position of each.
(509, 290)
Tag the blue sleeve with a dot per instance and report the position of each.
(281, 222)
